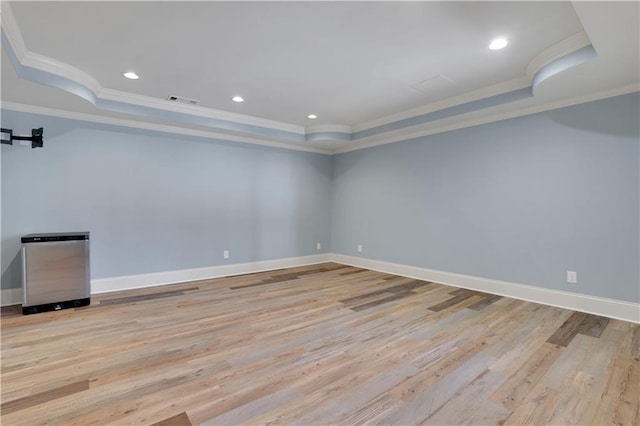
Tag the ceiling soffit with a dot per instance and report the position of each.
(561, 56)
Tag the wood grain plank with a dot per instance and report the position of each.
(486, 301)
(144, 297)
(42, 397)
(286, 347)
(565, 334)
(451, 302)
(514, 390)
(466, 403)
(378, 302)
(181, 419)
(593, 326)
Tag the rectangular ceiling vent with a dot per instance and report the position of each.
(182, 100)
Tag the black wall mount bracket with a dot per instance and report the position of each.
(8, 137)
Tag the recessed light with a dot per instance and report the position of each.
(312, 116)
(131, 75)
(237, 99)
(498, 43)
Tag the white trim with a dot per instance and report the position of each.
(328, 128)
(619, 309)
(13, 296)
(611, 308)
(439, 126)
(475, 95)
(10, 296)
(462, 121)
(107, 285)
(55, 67)
(92, 86)
(163, 104)
(562, 48)
(136, 124)
(49, 65)
(12, 31)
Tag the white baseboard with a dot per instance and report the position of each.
(106, 285)
(13, 296)
(610, 308)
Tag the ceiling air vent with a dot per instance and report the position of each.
(182, 100)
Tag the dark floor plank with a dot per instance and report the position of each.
(400, 288)
(281, 279)
(358, 271)
(481, 304)
(357, 299)
(450, 302)
(42, 397)
(466, 292)
(178, 420)
(142, 297)
(411, 285)
(593, 325)
(381, 301)
(567, 331)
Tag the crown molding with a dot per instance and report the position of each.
(475, 95)
(464, 121)
(563, 63)
(562, 48)
(135, 124)
(328, 128)
(448, 114)
(52, 66)
(441, 126)
(11, 30)
(558, 50)
(162, 104)
(51, 72)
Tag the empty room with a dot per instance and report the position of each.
(314, 213)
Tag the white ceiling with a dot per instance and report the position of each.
(356, 65)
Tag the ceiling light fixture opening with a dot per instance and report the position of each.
(237, 99)
(131, 75)
(498, 43)
(312, 116)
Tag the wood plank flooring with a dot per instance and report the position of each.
(321, 344)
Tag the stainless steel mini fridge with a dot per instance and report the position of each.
(55, 271)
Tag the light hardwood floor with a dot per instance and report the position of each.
(322, 344)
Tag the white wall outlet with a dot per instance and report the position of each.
(359, 248)
(225, 254)
(318, 246)
(572, 277)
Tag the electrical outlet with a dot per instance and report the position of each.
(318, 246)
(359, 248)
(572, 277)
(225, 254)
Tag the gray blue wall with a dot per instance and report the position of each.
(522, 200)
(157, 202)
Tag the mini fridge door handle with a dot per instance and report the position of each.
(24, 275)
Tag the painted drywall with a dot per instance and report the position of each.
(521, 200)
(156, 202)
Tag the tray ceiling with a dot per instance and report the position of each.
(372, 72)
